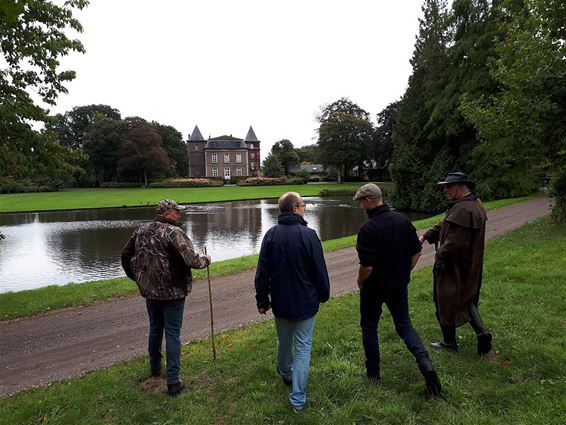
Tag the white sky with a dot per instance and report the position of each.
(225, 65)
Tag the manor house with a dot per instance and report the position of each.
(223, 156)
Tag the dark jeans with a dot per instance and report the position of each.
(371, 302)
(165, 315)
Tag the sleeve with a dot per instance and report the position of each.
(415, 245)
(456, 243)
(183, 245)
(432, 236)
(127, 254)
(262, 279)
(319, 272)
(367, 251)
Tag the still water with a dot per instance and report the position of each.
(55, 248)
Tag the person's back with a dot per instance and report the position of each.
(389, 247)
(294, 268)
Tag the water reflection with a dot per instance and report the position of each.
(76, 246)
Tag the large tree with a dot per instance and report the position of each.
(344, 136)
(382, 148)
(102, 143)
(72, 125)
(32, 40)
(175, 147)
(523, 125)
(285, 151)
(272, 166)
(142, 155)
(308, 153)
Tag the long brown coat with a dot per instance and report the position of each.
(459, 259)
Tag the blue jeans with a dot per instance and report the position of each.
(295, 365)
(165, 315)
(371, 302)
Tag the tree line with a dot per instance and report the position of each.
(487, 95)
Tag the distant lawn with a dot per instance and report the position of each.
(33, 301)
(523, 381)
(106, 198)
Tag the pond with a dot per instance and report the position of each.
(55, 248)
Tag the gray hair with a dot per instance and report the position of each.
(288, 201)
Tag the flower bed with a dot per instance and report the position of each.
(193, 182)
(251, 181)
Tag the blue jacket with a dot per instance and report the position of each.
(291, 270)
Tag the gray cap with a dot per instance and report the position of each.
(369, 190)
(168, 204)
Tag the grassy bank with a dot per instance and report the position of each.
(106, 198)
(27, 303)
(521, 382)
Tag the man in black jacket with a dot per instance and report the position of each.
(292, 279)
(388, 249)
(159, 257)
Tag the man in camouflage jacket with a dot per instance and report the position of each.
(159, 257)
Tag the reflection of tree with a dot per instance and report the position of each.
(335, 221)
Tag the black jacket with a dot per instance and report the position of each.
(387, 242)
(291, 272)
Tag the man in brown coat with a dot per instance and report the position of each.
(458, 264)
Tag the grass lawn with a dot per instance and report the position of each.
(33, 301)
(523, 380)
(106, 198)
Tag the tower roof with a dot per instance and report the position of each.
(196, 135)
(251, 137)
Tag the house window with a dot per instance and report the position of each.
(252, 165)
(252, 155)
(226, 158)
(215, 158)
(226, 173)
(238, 158)
(215, 172)
(238, 171)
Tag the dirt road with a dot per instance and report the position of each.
(68, 343)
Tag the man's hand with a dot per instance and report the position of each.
(422, 239)
(263, 310)
(363, 274)
(208, 258)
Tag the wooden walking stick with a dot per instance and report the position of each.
(211, 314)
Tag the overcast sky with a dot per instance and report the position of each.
(225, 65)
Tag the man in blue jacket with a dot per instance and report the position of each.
(292, 279)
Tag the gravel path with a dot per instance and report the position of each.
(68, 343)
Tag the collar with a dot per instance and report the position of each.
(291, 218)
(163, 219)
(378, 210)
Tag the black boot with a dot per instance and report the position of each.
(448, 339)
(483, 335)
(431, 378)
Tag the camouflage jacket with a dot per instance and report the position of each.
(159, 257)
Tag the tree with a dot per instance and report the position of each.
(383, 140)
(344, 136)
(102, 143)
(523, 125)
(72, 125)
(142, 154)
(272, 166)
(32, 36)
(308, 153)
(286, 153)
(175, 147)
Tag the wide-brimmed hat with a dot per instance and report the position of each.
(369, 190)
(458, 177)
(168, 204)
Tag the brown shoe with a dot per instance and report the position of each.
(174, 389)
(433, 385)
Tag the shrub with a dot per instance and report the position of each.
(296, 180)
(264, 181)
(119, 185)
(191, 182)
